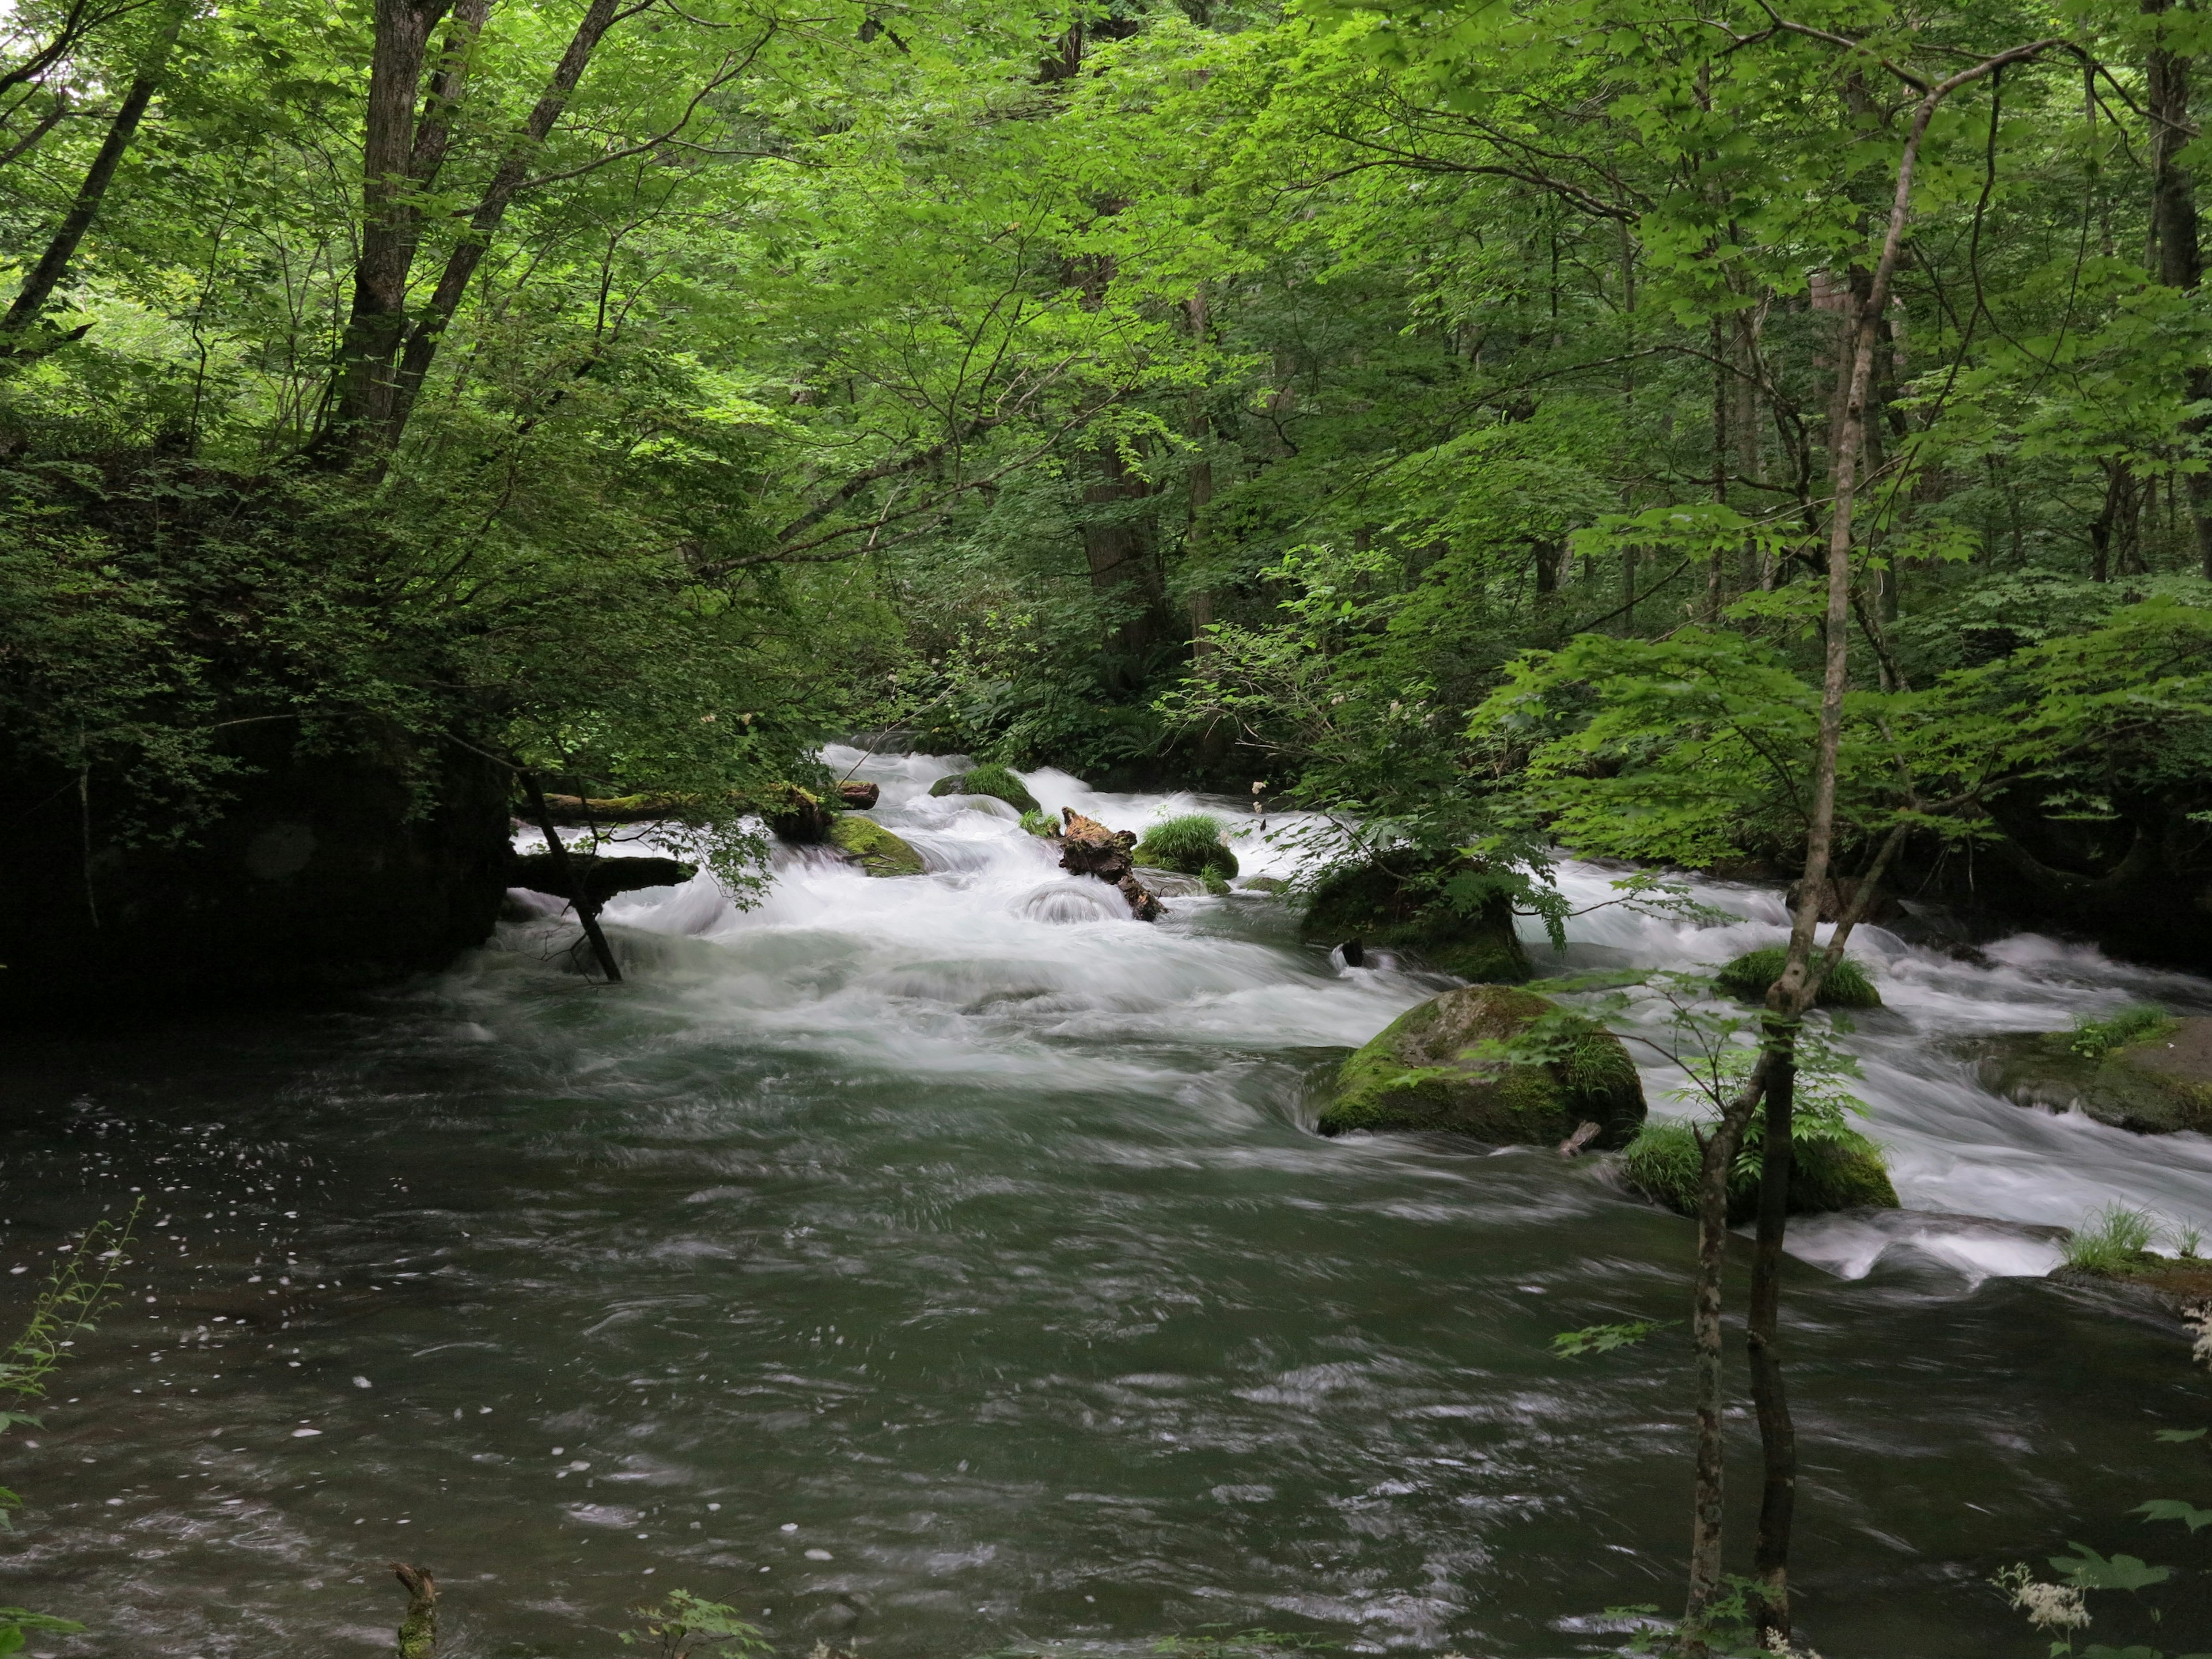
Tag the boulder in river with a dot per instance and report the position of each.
(874, 848)
(1419, 1074)
(995, 782)
(1088, 848)
(2154, 1084)
(1398, 901)
(1839, 1172)
(859, 795)
(604, 875)
(1748, 976)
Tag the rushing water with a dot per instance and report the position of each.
(945, 1265)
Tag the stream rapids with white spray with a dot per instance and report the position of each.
(947, 1265)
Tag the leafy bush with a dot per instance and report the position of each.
(1191, 844)
(2113, 1241)
(1846, 986)
(2094, 1039)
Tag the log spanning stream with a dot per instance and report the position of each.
(946, 1265)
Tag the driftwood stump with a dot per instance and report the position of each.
(418, 1635)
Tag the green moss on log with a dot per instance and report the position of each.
(995, 782)
(1190, 845)
(874, 848)
(1839, 1172)
(1417, 1074)
(1846, 986)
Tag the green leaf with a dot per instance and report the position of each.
(1604, 1339)
(2176, 1437)
(2086, 1570)
(2173, 1509)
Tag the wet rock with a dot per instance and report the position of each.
(1844, 1173)
(799, 816)
(874, 848)
(1417, 1074)
(604, 875)
(1398, 903)
(1263, 884)
(995, 782)
(2155, 1086)
(858, 795)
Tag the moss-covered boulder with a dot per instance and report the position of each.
(1191, 845)
(1846, 986)
(995, 782)
(1419, 1074)
(1839, 1172)
(1398, 902)
(874, 848)
(2160, 1082)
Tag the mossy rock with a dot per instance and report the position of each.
(1264, 884)
(1844, 1173)
(874, 848)
(1846, 986)
(1417, 1074)
(995, 782)
(1397, 907)
(2155, 1086)
(1190, 845)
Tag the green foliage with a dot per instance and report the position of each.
(2093, 1038)
(1193, 844)
(1750, 975)
(1604, 1339)
(682, 1624)
(2086, 1570)
(2113, 1241)
(79, 1287)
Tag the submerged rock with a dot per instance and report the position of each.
(1398, 903)
(1417, 1074)
(2156, 1085)
(604, 875)
(995, 782)
(1844, 1173)
(874, 848)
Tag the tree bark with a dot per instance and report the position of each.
(1777, 1436)
(30, 301)
(2173, 226)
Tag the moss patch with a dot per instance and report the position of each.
(1041, 822)
(1416, 1074)
(2154, 1085)
(1846, 986)
(1838, 1172)
(1399, 907)
(1190, 845)
(995, 782)
(874, 848)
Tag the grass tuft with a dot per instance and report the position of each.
(2112, 1242)
(1190, 844)
(2094, 1039)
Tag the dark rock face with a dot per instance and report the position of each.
(2155, 1086)
(318, 876)
(604, 875)
(1088, 848)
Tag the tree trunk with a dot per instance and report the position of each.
(579, 900)
(1777, 1436)
(2173, 226)
(38, 289)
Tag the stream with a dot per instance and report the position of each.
(947, 1265)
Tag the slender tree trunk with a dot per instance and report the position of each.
(579, 898)
(1722, 401)
(1778, 1438)
(38, 289)
(2173, 227)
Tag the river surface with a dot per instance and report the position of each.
(947, 1266)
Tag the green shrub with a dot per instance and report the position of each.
(2094, 1039)
(1190, 844)
(1846, 986)
(2114, 1240)
(991, 779)
(1833, 1167)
